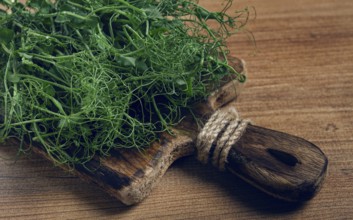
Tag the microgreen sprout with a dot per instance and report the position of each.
(82, 77)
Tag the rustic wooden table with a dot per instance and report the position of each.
(300, 81)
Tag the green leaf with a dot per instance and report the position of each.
(63, 123)
(6, 35)
(91, 21)
(153, 13)
(3, 14)
(13, 78)
(180, 82)
(141, 65)
(43, 6)
(49, 89)
(127, 61)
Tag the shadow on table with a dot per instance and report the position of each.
(239, 190)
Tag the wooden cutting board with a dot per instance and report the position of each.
(281, 165)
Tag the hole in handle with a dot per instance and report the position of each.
(284, 157)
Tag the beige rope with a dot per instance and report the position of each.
(220, 133)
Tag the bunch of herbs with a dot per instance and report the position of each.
(82, 77)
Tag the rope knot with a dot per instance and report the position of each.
(222, 130)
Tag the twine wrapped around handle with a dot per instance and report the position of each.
(280, 164)
(223, 129)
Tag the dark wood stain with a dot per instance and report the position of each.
(140, 173)
(280, 164)
(104, 175)
(284, 157)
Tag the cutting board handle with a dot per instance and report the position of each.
(280, 164)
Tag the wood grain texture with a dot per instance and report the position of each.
(299, 81)
(280, 164)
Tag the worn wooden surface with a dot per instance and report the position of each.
(300, 82)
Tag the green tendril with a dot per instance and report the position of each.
(83, 77)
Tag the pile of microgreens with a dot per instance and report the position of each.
(82, 77)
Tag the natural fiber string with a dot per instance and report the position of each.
(220, 133)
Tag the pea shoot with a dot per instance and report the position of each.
(82, 77)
